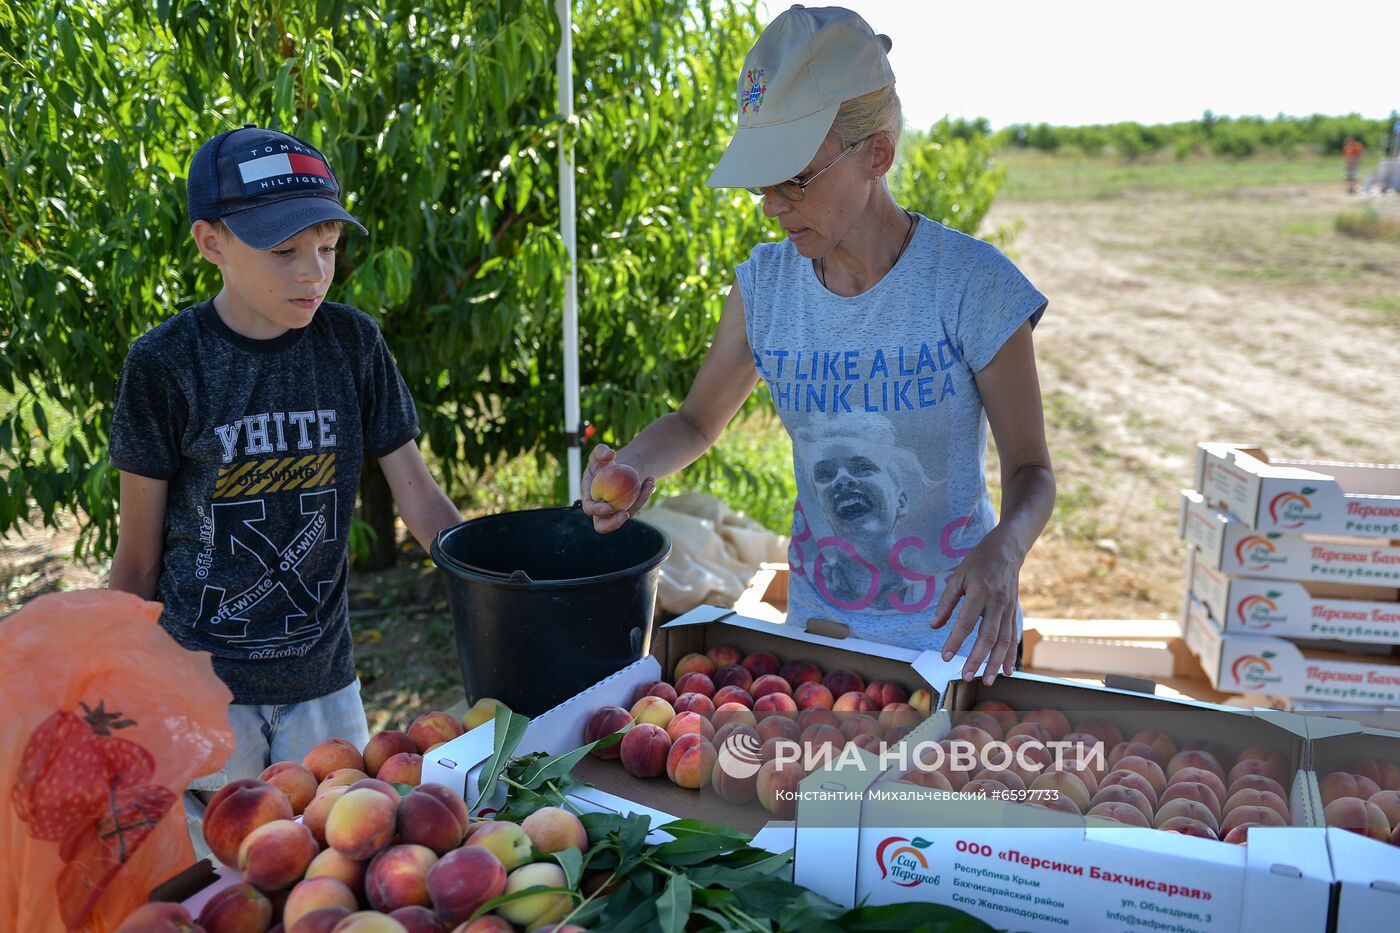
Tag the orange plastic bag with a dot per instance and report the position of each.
(104, 720)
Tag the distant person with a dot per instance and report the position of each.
(1351, 152)
(884, 338)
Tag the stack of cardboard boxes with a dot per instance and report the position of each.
(1294, 579)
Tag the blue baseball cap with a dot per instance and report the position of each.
(264, 185)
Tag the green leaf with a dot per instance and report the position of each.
(554, 766)
(510, 729)
(571, 860)
(41, 420)
(673, 906)
(1308, 490)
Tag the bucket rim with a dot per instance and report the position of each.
(450, 564)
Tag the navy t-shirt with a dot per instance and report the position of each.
(261, 442)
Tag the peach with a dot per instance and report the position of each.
(341, 777)
(403, 768)
(332, 755)
(771, 704)
(1147, 768)
(368, 921)
(1162, 745)
(1265, 753)
(842, 681)
(870, 743)
(158, 918)
(314, 894)
(1194, 759)
(663, 690)
(694, 703)
(902, 714)
(1194, 790)
(984, 721)
(275, 855)
(922, 700)
(318, 810)
(1064, 784)
(732, 712)
(644, 750)
(240, 908)
(925, 778)
(1355, 815)
(1365, 767)
(1257, 782)
(1011, 779)
(820, 746)
(724, 732)
(769, 683)
(797, 672)
(653, 710)
(1188, 827)
(1263, 816)
(398, 877)
(818, 717)
(1131, 779)
(434, 816)
(416, 919)
(779, 727)
(320, 920)
(1118, 793)
(691, 761)
(487, 923)
(1395, 835)
(721, 655)
(1337, 784)
(695, 682)
(1079, 769)
(1258, 798)
(733, 694)
(1035, 749)
(777, 787)
(894, 735)
(1053, 720)
(853, 702)
(1255, 766)
(884, 692)
(643, 689)
(1389, 775)
(463, 880)
(779, 745)
(811, 695)
(505, 840)
(986, 788)
(1191, 809)
(1201, 776)
(976, 738)
(1238, 835)
(383, 787)
(480, 713)
(735, 789)
(336, 865)
(606, 721)
(1118, 812)
(295, 781)
(554, 829)
(693, 663)
(1124, 749)
(1032, 730)
(733, 675)
(361, 823)
(384, 745)
(760, 663)
(1389, 802)
(236, 810)
(859, 724)
(616, 484)
(536, 910)
(1103, 729)
(685, 723)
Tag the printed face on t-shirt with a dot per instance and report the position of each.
(859, 495)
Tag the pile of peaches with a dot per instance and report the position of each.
(1363, 797)
(754, 702)
(374, 850)
(1146, 779)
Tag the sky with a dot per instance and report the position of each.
(1076, 62)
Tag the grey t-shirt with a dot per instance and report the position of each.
(889, 435)
(262, 443)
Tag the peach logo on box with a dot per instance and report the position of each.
(1254, 670)
(1293, 509)
(1256, 552)
(901, 861)
(1259, 612)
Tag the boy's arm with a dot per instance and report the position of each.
(424, 507)
(140, 535)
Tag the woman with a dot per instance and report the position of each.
(889, 344)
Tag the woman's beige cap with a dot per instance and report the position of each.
(803, 67)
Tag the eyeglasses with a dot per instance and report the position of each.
(794, 190)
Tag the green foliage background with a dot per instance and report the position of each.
(440, 118)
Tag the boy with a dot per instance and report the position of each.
(239, 431)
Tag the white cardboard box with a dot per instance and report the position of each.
(1232, 547)
(1367, 871)
(1036, 870)
(1276, 666)
(1288, 609)
(1313, 496)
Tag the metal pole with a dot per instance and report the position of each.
(564, 66)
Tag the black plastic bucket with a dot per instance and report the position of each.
(544, 606)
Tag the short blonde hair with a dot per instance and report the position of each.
(876, 112)
(323, 228)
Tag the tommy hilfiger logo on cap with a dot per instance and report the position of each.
(265, 168)
(754, 97)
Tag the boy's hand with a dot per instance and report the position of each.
(610, 517)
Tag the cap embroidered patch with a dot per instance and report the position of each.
(265, 168)
(757, 87)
